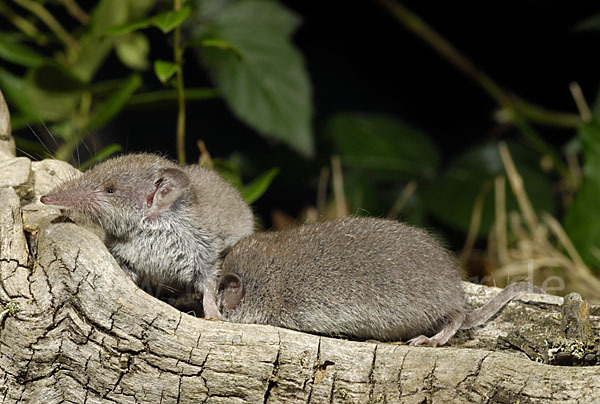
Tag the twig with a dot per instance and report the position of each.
(76, 11)
(191, 94)
(205, 159)
(579, 270)
(541, 115)
(506, 100)
(23, 24)
(474, 225)
(400, 203)
(52, 23)
(338, 187)
(178, 53)
(322, 190)
(562, 237)
(574, 169)
(516, 225)
(534, 250)
(540, 145)
(582, 106)
(423, 30)
(516, 183)
(500, 225)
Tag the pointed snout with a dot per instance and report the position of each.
(68, 197)
(52, 199)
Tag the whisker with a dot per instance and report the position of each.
(77, 141)
(49, 133)
(95, 147)
(87, 148)
(27, 154)
(39, 139)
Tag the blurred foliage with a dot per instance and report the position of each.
(52, 81)
(589, 24)
(231, 170)
(51, 77)
(250, 191)
(256, 67)
(451, 196)
(383, 146)
(382, 153)
(581, 220)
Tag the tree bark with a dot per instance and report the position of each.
(74, 328)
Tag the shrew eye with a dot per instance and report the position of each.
(110, 190)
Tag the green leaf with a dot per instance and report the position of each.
(53, 90)
(101, 155)
(166, 22)
(581, 222)
(269, 88)
(15, 52)
(164, 70)
(111, 107)
(383, 146)
(127, 28)
(451, 197)
(254, 190)
(133, 51)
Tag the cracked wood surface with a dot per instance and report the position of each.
(86, 334)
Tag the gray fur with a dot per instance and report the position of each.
(176, 243)
(358, 277)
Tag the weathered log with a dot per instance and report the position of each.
(74, 328)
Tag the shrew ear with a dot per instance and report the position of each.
(168, 187)
(232, 289)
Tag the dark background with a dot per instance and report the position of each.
(360, 59)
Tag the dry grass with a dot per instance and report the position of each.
(525, 246)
